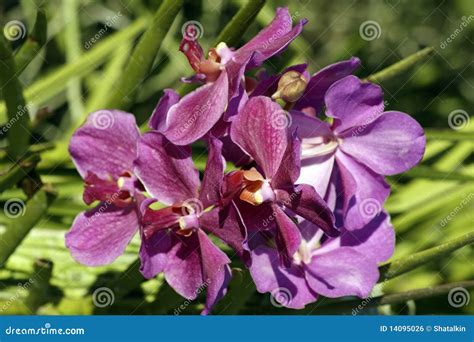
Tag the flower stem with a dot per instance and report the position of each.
(400, 67)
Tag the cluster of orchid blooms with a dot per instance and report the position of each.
(303, 209)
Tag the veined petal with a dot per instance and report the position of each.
(153, 253)
(211, 188)
(167, 171)
(353, 103)
(158, 118)
(391, 144)
(106, 144)
(257, 131)
(289, 169)
(342, 272)
(195, 114)
(322, 80)
(288, 238)
(100, 235)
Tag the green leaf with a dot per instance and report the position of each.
(410, 262)
(431, 173)
(18, 172)
(437, 134)
(143, 55)
(401, 66)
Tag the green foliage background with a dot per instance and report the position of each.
(82, 67)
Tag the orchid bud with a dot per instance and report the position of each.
(291, 86)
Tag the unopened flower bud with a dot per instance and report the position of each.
(291, 86)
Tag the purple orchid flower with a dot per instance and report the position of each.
(175, 239)
(271, 190)
(342, 266)
(103, 150)
(346, 161)
(196, 113)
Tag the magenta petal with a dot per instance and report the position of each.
(353, 103)
(210, 193)
(153, 254)
(306, 202)
(391, 144)
(258, 131)
(195, 114)
(342, 272)
(288, 238)
(322, 80)
(106, 144)
(216, 271)
(364, 192)
(287, 286)
(167, 171)
(289, 169)
(158, 118)
(183, 270)
(273, 39)
(100, 235)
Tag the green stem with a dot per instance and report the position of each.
(144, 54)
(410, 262)
(40, 287)
(437, 134)
(18, 126)
(400, 67)
(18, 172)
(22, 219)
(431, 173)
(34, 43)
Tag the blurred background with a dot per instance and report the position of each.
(87, 47)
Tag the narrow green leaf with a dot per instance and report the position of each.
(431, 173)
(54, 83)
(22, 219)
(18, 172)
(410, 262)
(18, 126)
(32, 46)
(400, 67)
(235, 29)
(144, 54)
(436, 134)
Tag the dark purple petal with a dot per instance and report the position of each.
(211, 188)
(226, 224)
(160, 113)
(322, 80)
(257, 131)
(215, 269)
(289, 169)
(153, 253)
(353, 103)
(195, 114)
(272, 39)
(364, 192)
(100, 235)
(389, 145)
(233, 153)
(288, 286)
(167, 171)
(305, 201)
(106, 144)
(342, 272)
(288, 238)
